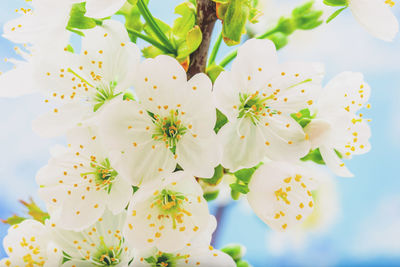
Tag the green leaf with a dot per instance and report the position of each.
(213, 71)
(210, 196)
(335, 14)
(241, 188)
(186, 22)
(132, 2)
(221, 121)
(336, 2)
(235, 21)
(151, 52)
(245, 175)
(192, 42)
(163, 26)
(78, 20)
(242, 263)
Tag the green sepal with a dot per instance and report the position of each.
(303, 117)
(191, 43)
(286, 25)
(213, 71)
(236, 251)
(185, 23)
(335, 14)
(305, 17)
(216, 179)
(210, 196)
(336, 2)
(151, 52)
(280, 40)
(241, 188)
(234, 24)
(13, 220)
(315, 156)
(245, 175)
(235, 195)
(78, 20)
(221, 121)
(242, 263)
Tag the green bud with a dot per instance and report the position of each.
(280, 40)
(336, 2)
(242, 263)
(286, 26)
(236, 251)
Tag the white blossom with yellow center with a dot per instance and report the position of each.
(337, 125)
(101, 244)
(281, 194)
(199, 253)
(39, 24)
(29, 244)
(167, 215)
(171, 123)
(376, 17)
(81, 85)
(258, 95)
(79, 183)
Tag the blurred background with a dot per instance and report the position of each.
(360, 222)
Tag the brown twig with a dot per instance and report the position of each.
(206, 18)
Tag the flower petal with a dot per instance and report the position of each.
(102, 8)
(334, 163)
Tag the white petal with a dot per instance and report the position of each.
(284, 138)
(256, 58)
(318, 132)
(119, 196)
(199, 155)
(376, 17)
(226, 95)
(280, 194)
(243, 145)
(205, 257)
(102, 8)
(333, 161)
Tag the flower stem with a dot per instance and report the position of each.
(154, 26)
(151, 41)
(216, 47)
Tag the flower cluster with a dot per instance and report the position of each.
(145, 142)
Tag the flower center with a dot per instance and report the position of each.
(107, 256)
(164, 260)
(168, 129)
(252, 106)
(103, 172)
(170, 206)
(391, 3)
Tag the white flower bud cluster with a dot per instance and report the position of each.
(135, 124)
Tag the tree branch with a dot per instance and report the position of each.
(206, 18)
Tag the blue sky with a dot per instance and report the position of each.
(365, 232)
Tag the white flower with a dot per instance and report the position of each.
(101, 244)
(376, 17)
(43, 25)
(84, 83)
(29, 244)
(79, 183)
(337, 126)
(103, 8)
(280, 194)
(171, 124)
(199, 253)
(258, 95)
(167, 214)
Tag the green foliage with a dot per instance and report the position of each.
(213, 71)
(78, 21)
(335, 14)
(33, 210)
(315, 156)
(221, 121)
(336, 2)
(235, 14)
(280, 40)
(236, 252)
